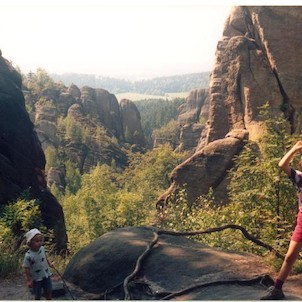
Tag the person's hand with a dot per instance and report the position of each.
(29, 283)
(298, 146)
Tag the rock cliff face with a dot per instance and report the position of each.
(22, 159)
(131, 123)
(94, 129)
(103, 105)
(192, 119)
(258, 60)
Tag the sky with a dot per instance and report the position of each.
(117, 38)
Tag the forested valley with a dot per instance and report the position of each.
(155, 86)
(109, 196)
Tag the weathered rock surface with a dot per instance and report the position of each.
(206, 169)
(258, 61)
(45, 123)
(22, 159)
(131, 123)
(193, 116)
(103, 105)
(175, 263)
(104, 151)
(94, 131)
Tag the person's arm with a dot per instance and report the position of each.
(285, 160)
(29, 282)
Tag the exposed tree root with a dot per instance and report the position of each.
(138, 265)
(256, 280)
(157, 233)
(246, 234)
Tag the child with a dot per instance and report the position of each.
(37, 266)
(275, 292)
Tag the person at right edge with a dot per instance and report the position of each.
(275, 292)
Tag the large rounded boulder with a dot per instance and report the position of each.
(172, 266)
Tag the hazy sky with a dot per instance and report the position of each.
(112, 37)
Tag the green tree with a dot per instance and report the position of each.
(72, 178)
(259, 189)
(91, 211)
(262, 198)
(39, 81)
(169, 133)
(20, 216)
(157, 113)
(109, 198)
(149, 173)
(52, 157)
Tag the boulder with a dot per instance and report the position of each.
(74, 91)
(173, 264)
(205, 169)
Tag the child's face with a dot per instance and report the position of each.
(36, 242)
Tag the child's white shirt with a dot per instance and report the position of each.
(37, 263)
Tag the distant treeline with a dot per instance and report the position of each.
(155, 86)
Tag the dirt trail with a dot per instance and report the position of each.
(14, 288)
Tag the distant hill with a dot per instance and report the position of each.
(155, 86)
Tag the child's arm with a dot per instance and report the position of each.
(29, 282)
(284, 162)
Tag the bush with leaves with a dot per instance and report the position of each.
(262, 198)
(266, 196)
(15, 219)
(109, 198)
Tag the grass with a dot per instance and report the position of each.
(9, 264)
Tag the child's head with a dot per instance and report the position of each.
(34, 239)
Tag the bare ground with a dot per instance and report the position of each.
(14, 288)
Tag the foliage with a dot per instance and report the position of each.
(70, 130)
(267, 197)
(72, 178)
(9, 263)
(149, 173)
(21, 216)
(156, 114)
(38, 81)
(262, 199)
(108, 199)
(91, 211)
(15, 219)
(169, 133)
(52, 158)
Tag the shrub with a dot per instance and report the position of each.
(15, 219)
